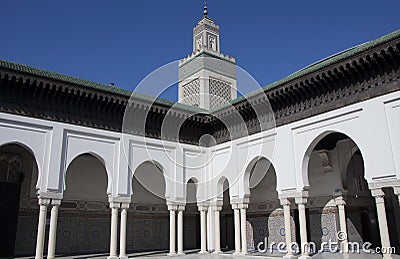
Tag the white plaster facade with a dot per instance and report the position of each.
(280, 171)
(288, 148)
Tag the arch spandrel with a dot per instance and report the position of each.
(36, 151)
(104, 151)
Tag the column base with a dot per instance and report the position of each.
(181, 253)
(237, 253)
(289, 257)
(387, 256)
(171, 254)
(304, 257)
(112, 257)
(217, 252)
(203, 252)
(123, 257)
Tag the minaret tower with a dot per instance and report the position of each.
(207, 78)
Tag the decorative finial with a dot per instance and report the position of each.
(205, 8)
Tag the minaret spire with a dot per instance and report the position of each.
(205, 8)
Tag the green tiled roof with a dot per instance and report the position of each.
(90, 84)
(94, 85)
(320, 64)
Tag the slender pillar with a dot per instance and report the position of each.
(243, 227)
(210, 229)
(340, 203)
(53, 229)
(122, 231)
(217, 229)
(236, 212)
(180, 230)
(383, 227)
(172, 213)
(114, 230)
(285, 202)
(41, 227)
(203, 228)
(301, 203)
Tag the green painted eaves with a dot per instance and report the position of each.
(318, 65)
(93, 85)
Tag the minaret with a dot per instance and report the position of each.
(207, 78)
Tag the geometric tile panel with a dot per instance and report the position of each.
(191, 93)
(220, 92)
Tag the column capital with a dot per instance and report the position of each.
(243, 206)
(50, 195)
(301, 200)
(340, 200)
(119, 199)
(43, 201)
(125, 205)
(239, 205)
(55, 202)
(115, 205)
(216, 204)
(172, 207)
(181, 207)
(396, 190)
(202, 207)
(285, 201)
(377, 193)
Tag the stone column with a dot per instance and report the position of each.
(285, 202)
(383, 227)
(243, 227)
(172, 209)
(114, 230)
(41, 227)
(340, 203)
(236, 212)
(181, 208)
(217, 237)
(53, 229)
(203, 228)
(301, 203)
(122, 231)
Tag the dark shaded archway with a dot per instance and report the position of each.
(335, 168)
(148, 216)
(191, 221)
(265, 220)
(84, 217)
(18, 177)
(226, 218)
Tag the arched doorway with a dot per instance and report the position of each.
(148, 217)
(191, 219)
(264, 215)
(226, 218)
(18, 177)
(336, 169)
(84, 217)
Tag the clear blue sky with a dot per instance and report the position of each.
(123, 41)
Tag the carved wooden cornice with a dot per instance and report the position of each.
(362, 76)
